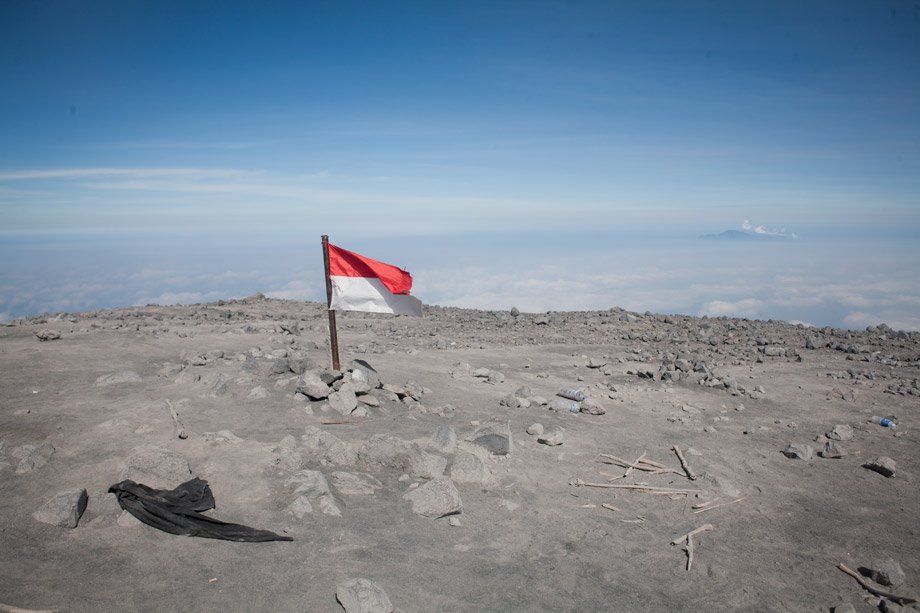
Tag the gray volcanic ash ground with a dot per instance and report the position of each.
(426, 473)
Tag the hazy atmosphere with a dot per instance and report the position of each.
(547, 156)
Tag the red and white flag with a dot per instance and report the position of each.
(362, 284)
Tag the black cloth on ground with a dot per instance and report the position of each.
(177, 511)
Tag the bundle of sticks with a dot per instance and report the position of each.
(641, 463)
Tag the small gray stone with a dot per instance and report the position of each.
(63, 510)
(511, 401)
(552, 438)
(883, 465)
(362, 596)
(592, 407)
(312, 386)
(844, 608)
(343, 401)
(798, 451)
(535, 429)
(840, 432)
(436, 498)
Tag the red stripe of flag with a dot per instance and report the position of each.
(344, 263)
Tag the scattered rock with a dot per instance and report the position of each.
(436, 498)
(535, 429)
(552, 438)
(354, 484)
(840, 432)
(63, 510)
(470, 468)
(32, 456)
(312, 386)
(832, 450)
(592, 407)
(258, 393)
(883, 465)
(156, 467)
(48, 335)
(343, 401)
(362, 596)
(797, 451)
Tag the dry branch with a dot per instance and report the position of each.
(904, 600)
(683, 463)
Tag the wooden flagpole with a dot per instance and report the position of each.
(333, 333)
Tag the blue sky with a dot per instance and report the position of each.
(375, 120)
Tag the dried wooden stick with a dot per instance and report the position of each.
(180, 429)
(703, 528)
(874, 590)
(610, 507)
(683, 463)
(648, 488)
(629, 468)
(721, 504)
(335, 422)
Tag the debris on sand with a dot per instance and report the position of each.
(48, 335)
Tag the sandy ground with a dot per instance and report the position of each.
(527, 539)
